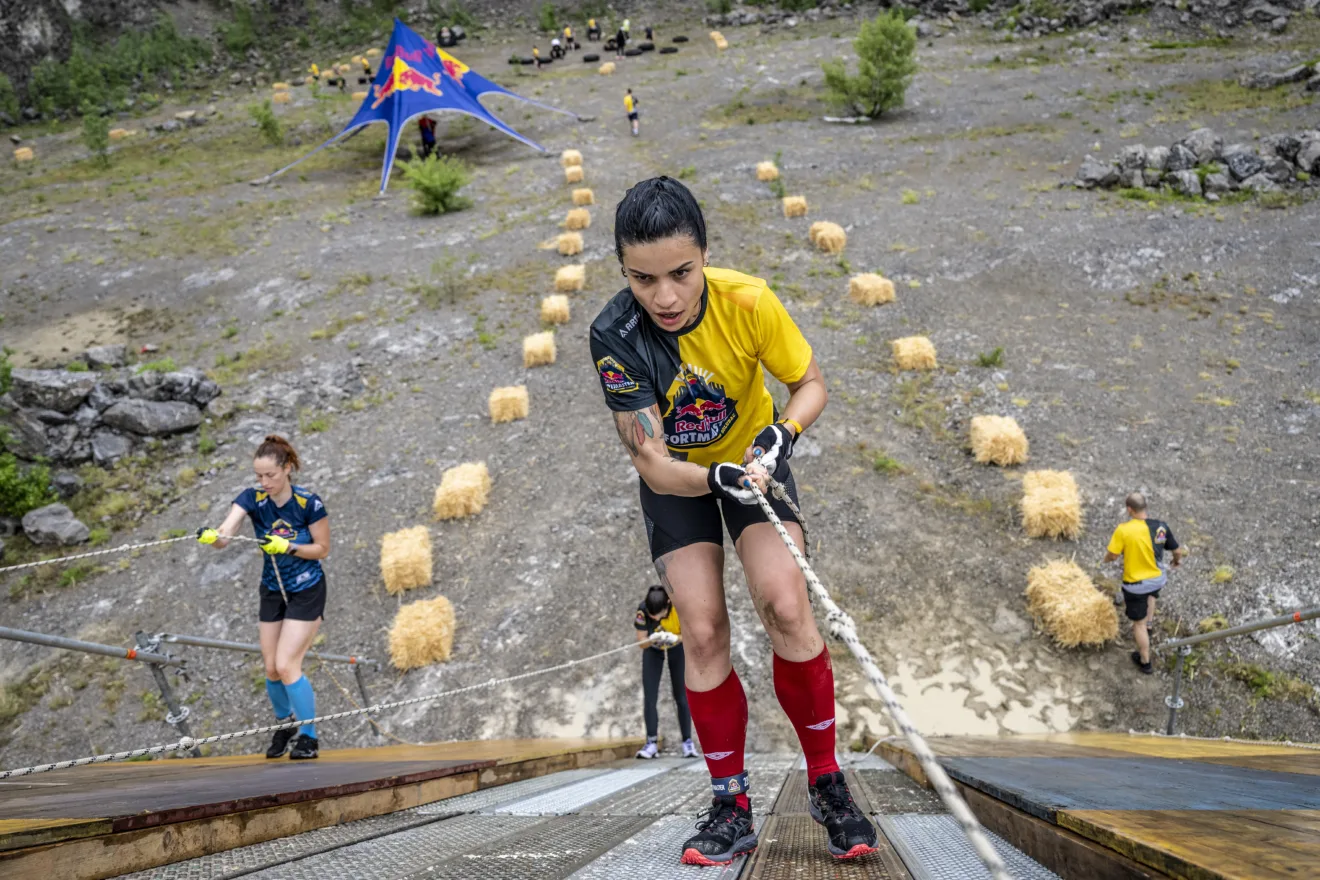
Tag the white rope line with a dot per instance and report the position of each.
(188, 743)
(1283, 743)
(121, 549)
(841, 626)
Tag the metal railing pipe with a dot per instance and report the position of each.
(20, 635)
(1268, 623)
(247, 648)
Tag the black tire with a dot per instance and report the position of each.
(680, 39)
(528, 61)
(362, 80)
(545, 61)
(610, 45)
(515, 60)
(668, 50)
(590, 57)
(632, 53)
(646, 47)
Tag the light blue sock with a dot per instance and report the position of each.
(279, 698)
(304, 703)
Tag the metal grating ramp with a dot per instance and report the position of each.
(550, 848)
(388, 858)
(935, 848)
(683, 793)
(894, 793)
(572, 798)
(793, 796)
(477, 801)
(653, 853)
(873, 762)
(793, 847)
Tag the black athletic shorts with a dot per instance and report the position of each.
(308, 604)
(1135, 604)
(633, 116)
(674, 521)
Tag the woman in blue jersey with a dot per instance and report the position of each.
(292, 524)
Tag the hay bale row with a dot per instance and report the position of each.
(607, 68)
(281, 98)
(422, 634)
(1067, 605)
(554, 309)
(828, 237)
(583, 197)
(405, 559)
(570, 279)
(998, 440)
(569, 243)
(573, 174)
(870, 289)
(795, 206)
(577, 218)
(767, 171)
(1051, 505)
(539, 349)
(24, 154)
(914, 353)
(569, 158)
(359, 96)
(508, 404)
(463, 491)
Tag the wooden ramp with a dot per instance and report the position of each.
(1101, 805)
(109, 819)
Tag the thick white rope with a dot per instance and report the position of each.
(841, 626)
(188, 743)
(125, 548)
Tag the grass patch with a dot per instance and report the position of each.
(885, 464)
(779, 105)
(980, 134)
(163, 365)
(1217, 96)
(229, 369)
(1205, 43)
(1222, 575)
(338, 325)
(991, 358)
(919, 407)
(1267, 685)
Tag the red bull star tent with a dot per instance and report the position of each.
(416, 78)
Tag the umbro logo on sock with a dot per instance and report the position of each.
(821, 726)
(718, 756)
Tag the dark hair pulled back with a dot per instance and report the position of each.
(279, 450)
(655, 209)
(657, 600)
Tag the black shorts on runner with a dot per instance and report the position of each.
(1136, 604)
(308, 604)
(632, 116)
(674, 521)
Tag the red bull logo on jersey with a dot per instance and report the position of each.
(403, 78)
(614, 377)
(701, 412)
(283, 529)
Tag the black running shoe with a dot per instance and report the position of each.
(851, 834)
(726, 832)
(304, 747)
(279, 743)
(1146, 668)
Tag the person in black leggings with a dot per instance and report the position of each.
(655, 613)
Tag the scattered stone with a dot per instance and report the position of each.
(101, 397)
(1308, 153)
(106, 356)
(1132, 178)
(1241, 162)
(66, 485)
(1158, 158)
(219, 408)
(1204, 144)
(1260, 183)
(109, 446)
(1217, 184)
(1095, 173)
(1285, 146)
(1278, 170)
(177, 386)
(1133, 156)
(54, 524)
(24, 432)
(59, 390)
(1268, 80)
(1152, 176)
(1181, 158)
(206, 392)
(153, 417)
(10, 526)
(1187, 183)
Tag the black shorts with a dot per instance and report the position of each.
(674, 521)
(308, 604)
(1135, 604)
(633, 116)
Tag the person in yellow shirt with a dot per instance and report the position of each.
(1141, 542)
(656, 613)
(681, 353)
(630, 107)
(536, 57)
(593, 30)
(568, 38)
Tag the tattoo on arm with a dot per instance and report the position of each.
(634, 428)
(662, 569)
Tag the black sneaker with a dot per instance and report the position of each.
(279, 743)
(304, 747)
(1146, 668)
(851, 834)
(726, 832)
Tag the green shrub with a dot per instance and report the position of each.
(6, 369)
(885, 66)
(978, 5)
(96, 134)
(164, 365)
(23, 489)
(264, 115)
(991, 358)
(453, 14)
(8, 98)
(719, 7)
(239, 34)
(436, 181)
(546, 17)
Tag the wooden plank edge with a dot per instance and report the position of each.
(1137, 850)
(109, 855)
(43, 831)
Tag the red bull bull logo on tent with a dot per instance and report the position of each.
(403, 78)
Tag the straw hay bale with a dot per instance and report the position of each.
(766, 171)
(308, 80)
(573, 174)
(281, 98)
(343, 68)
(405, 559)
(508, 404)
(1068, 606)
(280, 86)
(118, 134)
(721, 43)
(828, 236)
(1051, 506)
(570, 279)
(569, 243)
(463, 491)
(914, 353)
(577, 218)
(24, 154)
(422, 634)
(569, 158)
(998, 440)
(554, 309)
(716, 36)
(607, 68)
(583, 196)
(870, 289)
(359, 96)
(795, 206)
(539, 349)
(373, 53)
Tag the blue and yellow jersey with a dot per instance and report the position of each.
(292, 521)
(707, 379)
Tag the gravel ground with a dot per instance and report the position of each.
(1162, 346)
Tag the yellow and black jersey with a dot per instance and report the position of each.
(1141, 543)
(648, 624)
(707, 379)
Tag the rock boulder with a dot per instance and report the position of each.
(54, 524)
(59, 390)
(153, 417)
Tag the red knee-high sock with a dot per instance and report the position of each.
(720, 715)
(806, 691)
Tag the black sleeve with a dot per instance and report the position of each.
(1170, 542)
(639, 622)
(627, 387)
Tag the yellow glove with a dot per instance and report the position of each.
(207, 536)
(275, 545)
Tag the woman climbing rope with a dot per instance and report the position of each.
(680, 353)
(296, 537)
(656, 613)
